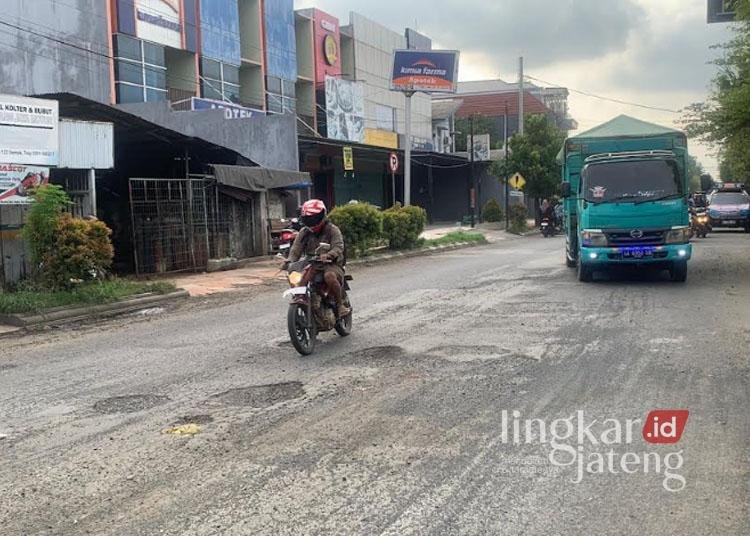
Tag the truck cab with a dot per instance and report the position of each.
(625, 188)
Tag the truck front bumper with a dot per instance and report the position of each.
(637, 254)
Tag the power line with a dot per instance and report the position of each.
(610, 99)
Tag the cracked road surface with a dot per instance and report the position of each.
(203, 420)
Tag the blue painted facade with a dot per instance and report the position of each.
(220, 31)
(281, 43)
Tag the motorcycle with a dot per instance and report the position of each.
(287, 236)
(547, 227)
(700, 223)
(312, 308)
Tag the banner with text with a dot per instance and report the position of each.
(29, 131)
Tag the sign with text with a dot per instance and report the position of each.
(29, 131)
(16, 182)
(159, 21)
(481, 147)
(429, 71)
(348, 159)
(231, 110)
(381, 138)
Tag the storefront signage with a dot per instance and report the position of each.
(16, 182)
(29, 131)
(348, 159)
(381, 138)
(429, 71)
(231, 111)
(159, 21)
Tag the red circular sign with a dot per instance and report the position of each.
(393, 162)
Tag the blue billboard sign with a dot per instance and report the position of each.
(231, 111)
(429, 71)
(220, 31)
(281, 41)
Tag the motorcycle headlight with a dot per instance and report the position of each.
(678, 235)
(594, 238)
(295, 278)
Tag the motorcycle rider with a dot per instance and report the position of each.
(318, 229)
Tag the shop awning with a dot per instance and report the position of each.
(258, 179)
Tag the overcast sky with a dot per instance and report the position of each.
(653, 52)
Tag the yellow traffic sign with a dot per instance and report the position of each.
(517, 181)
(348, 159)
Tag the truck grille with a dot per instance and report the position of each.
(651, 237)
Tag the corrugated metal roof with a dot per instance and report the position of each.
(625, 126)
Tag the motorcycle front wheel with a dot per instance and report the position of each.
(301, 329)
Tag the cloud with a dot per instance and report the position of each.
(543, 31)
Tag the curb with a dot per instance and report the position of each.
(65, 315)
(413, 253)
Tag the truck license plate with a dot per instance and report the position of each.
(637, 253)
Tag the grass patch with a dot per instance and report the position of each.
(456, 237)
(26, 300)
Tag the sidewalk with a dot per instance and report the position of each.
(264, 271)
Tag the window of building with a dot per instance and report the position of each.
(282, 95)
(140, 70)
(220, 81)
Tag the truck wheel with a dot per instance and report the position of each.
(570, 263)
(678, 271)
(584, 272)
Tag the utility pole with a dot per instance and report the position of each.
(505, 156)
(407, 152)
(520, 95)
(473, 186)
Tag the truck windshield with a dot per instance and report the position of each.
(637, 181)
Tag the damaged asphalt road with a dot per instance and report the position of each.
(203, 420)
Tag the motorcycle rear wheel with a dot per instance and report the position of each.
(344, 325)
(302, 337)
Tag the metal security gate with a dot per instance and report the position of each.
(177, 224)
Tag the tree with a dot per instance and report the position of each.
(534, 155)
(694, 172)
(482, 125)
(724, 119)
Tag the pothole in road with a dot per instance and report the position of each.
(379, 352)
(128, 403)
(193, 419)
(261, 396)
(474, 352)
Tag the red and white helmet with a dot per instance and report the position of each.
(313, 214)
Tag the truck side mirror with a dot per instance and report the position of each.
(566, 189)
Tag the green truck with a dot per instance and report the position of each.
(625, 194)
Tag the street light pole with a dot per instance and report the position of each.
(473, 186)
(505, 156)
(407, 152)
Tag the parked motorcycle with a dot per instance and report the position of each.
(700, 222)
(312, 308)
(288, 235)
(547, 227)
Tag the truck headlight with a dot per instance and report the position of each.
(594, 238)
(678, 235)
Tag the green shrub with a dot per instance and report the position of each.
(492, 211)
(82, 252)
(50, 201)
(360, 223)
(403, 225)
(517, 214)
